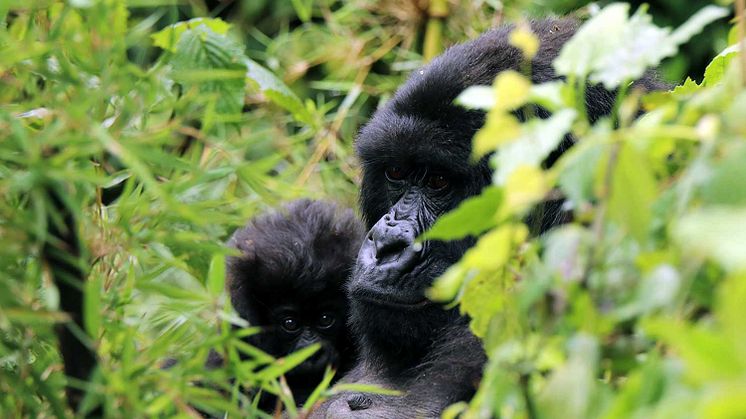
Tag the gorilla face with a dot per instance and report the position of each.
(415, 156)
(414, 170)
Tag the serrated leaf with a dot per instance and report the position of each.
(538, 138)
(716, 69)
(275, 90)
(484, 294)
(613, 49)
(472, 217)
(214, 64)
(168, 37)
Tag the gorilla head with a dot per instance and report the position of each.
(290, 280)
(415, 155)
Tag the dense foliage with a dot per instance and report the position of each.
(152, 132)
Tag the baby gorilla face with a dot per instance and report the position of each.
(290, 280)
(296, 327)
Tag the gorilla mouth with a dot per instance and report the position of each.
(390, 300)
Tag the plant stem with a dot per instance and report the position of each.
(437, 13)
(740, 5)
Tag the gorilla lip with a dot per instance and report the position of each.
(386, 300)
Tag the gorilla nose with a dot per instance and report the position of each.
(392, 243)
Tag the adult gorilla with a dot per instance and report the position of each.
(415, 157)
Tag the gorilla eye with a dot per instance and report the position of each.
(437, 182)
(325, 321)
(289, 324)
(395, 173)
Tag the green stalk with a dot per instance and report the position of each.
(437, 12)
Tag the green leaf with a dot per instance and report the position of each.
(697, 22)
(726, 186)
(707, 354)
(633, 191)
(214, 64)
(477, 97)
(716, 233)
(472, 217)
(92, 310)
(570, 389)
(287, 363)
(539, 137)
(364, 388)
(168, 37)
(216, 274)
(716, 69)
(275, 90)
(613, 49)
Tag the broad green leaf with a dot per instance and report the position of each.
(212, 63)
(578, 168)
(566, 252)
(592, 41)
(716, 69)
(526, 186)
(726, 186)
(511, 90)
(477, 97)
(613, 49)
(716, 233)
(485, 291)
(447, 286)
(731, 312)
(470, 218)
(707, 355)
(168, 37)
(633, 191)
(501, 127)
(522, 38)
(570, 389)
(538, 138)
(275, 90)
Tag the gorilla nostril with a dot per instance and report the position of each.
(359, 402)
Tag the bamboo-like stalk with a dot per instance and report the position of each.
(740, 6)
(437, 12)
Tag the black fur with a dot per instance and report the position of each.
(295, 263)
(412, 146)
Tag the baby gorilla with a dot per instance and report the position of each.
(290, 280)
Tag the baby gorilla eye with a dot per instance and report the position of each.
(437, 182)
(325, 321)
(290, 325)
(394, 173)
